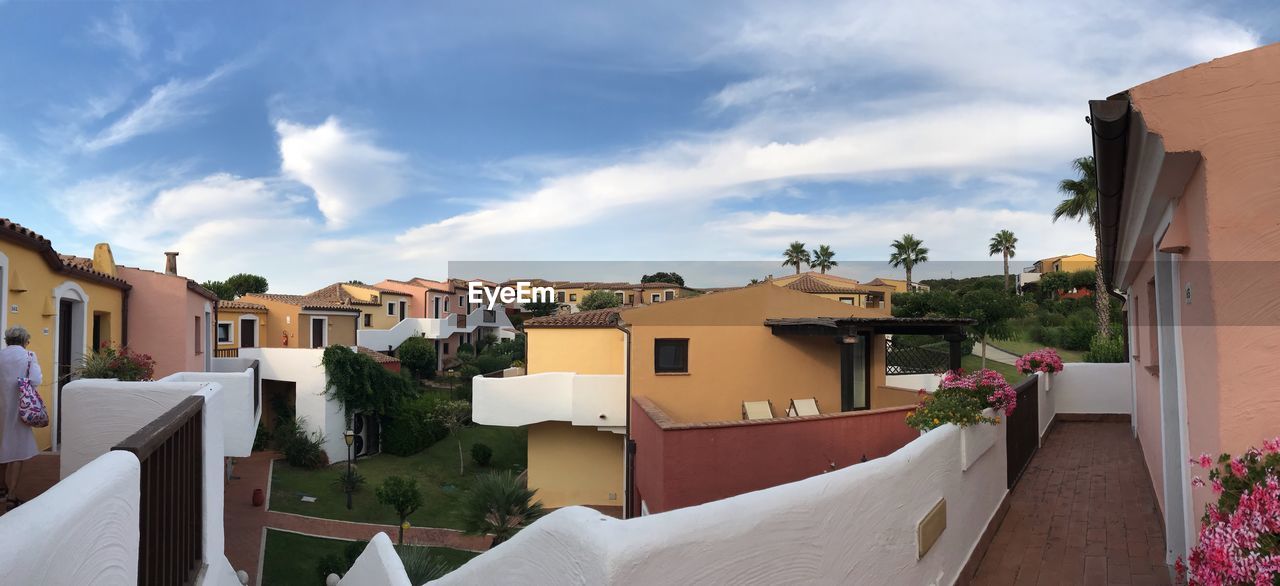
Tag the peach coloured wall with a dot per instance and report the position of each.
(1226, 111)
(416, 296)
(1146, 383)
(162, 312)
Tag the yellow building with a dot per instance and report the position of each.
(241, 324)
(299, 321)
(380, 308)
(68, 308)
(896, 285)
(698, 360)
(1067, 264)
(570, 293)
(836, 288)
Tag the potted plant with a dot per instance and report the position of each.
(1238, 541)
(1044, 360)
(968, 401)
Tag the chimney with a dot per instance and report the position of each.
(171, 263)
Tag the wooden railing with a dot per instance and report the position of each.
(1022, 434)
(226, 353)
(171, 450)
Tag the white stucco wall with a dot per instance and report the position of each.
(378, 565)
(928, 382)
(856, 525)
(1084, 387)
(1046, 400)
(239, 418)
(83, 530)
(302, 367)
(550, 396)
(435, 329)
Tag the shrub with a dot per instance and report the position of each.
(349, 480)
(117, 362)
(1103, 349)
(411, 429)
(481, 454)
(1237, 542)
(358, 383)
(599, 299)
(421, 565)
(418, 355)
(961, 398)
(301, 449)
(499, 504)
(261, 438)
(402, 495)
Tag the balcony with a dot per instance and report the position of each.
(592, 400)
(437, 328)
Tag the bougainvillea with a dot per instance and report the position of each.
(118, 362)
(1240, 534)
(1042, 360)
(961, 399)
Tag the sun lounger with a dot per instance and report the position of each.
(802, 407)
(757, 410)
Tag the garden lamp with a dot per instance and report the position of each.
(349, 437)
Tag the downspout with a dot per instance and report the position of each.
(628, 450)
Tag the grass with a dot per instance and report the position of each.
(291, 558)
(435, 469)
(973, 362)
(1021, 347)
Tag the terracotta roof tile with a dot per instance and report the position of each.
(595, 318)
(240, 305)
(337, 295)
(303, 301)
(378, 357)
(810, 284)
(15, 232)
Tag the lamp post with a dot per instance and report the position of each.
(349, 437)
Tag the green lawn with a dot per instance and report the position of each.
(973, 362)
(436, 470)
(1021, 347)
(293, 559)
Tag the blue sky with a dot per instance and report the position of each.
(319, 142)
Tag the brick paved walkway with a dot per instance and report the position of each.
(1083, 513)
(244, 524)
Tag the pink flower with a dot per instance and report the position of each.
(1197, 482)
(1237, 469)
(1204, 461)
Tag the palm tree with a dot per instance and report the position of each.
(907, 253)
(1081, 203)
(824, 258)
(1004, 243)
(795, 255)
(499, 504)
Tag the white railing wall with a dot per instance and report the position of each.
(378, 565)
(434, 329)
(597, 400)
(239, 417)
(302, 368)
(83, 530)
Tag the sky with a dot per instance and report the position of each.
(321, 142)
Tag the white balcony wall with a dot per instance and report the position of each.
(98, 414)
(83, 530)
(435, 329)
(239, 416)
(302, 367)
(598, 400)
(843, 527)
(1084, 387)
(378, 565)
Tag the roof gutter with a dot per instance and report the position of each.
(1109, 120)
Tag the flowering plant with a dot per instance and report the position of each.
(118, 362)
(1042, 360)
(961, 399)
(1240, 534)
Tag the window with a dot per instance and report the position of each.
(560, 296)
(671, 356)
(199, 336)
(631, 299)
(462, 302)
(490, 316)
(446, 305)
(621, 296)
(671, 295)
(368, 320)
(391, 308)
(654, 298)
(446, 349)
(224, 332)
(572, 297)
(1153, 325)
(848, 300)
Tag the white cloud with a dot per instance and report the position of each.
(168, 105)
(757, 90)
(348, 173)
(120, 32)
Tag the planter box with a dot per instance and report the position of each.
(1046, 381)
(976, 440)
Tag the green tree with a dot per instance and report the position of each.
(245, 283)
(542, 308)
(419, 356)
(663, 277)
(221, 289)
(992, 311)
(402, 495)
(499, 504)
(824, 258)
(599, 299)
(1081, 203)
(1004, 243)
(908, 252)
(795, 255)
(453, 415)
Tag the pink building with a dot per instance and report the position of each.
(439, 300)
(170, 317)
(1188, 185)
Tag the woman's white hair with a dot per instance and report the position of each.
(17, 336)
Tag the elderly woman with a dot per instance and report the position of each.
(17, 440)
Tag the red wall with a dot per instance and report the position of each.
(689, 464)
